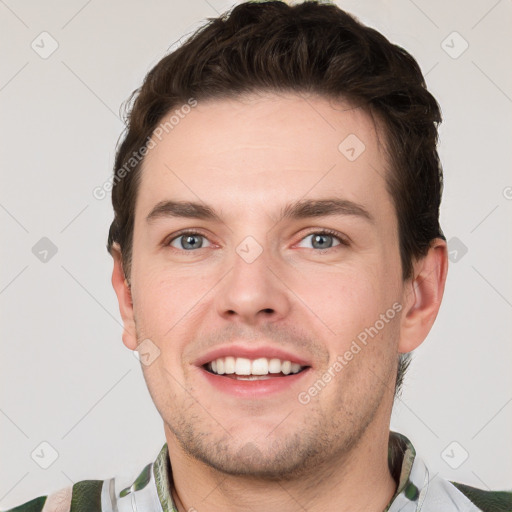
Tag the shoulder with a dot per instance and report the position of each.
(80, 496)
(113, 494)
(442, 494)
(128, 490)
(419, 488)
(486, 501)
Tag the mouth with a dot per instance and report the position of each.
(254, 372)
(245, 369)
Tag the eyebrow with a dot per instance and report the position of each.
(325, 207)
(302, 209)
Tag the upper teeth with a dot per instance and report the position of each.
(260, 366)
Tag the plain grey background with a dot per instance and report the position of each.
(67, 379)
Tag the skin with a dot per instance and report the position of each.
(247, 158)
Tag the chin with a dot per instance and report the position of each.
(269, 460)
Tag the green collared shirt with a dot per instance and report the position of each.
(417, 490)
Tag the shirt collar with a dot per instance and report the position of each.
(163, 479)
(401, 457)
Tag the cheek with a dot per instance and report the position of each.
(345, 298)
(167, 306)
(346, 307)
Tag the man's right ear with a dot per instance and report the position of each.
(124, 297)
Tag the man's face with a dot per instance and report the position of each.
(254, 284)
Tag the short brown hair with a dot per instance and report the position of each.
(306, 48)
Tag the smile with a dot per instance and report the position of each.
(262, 368)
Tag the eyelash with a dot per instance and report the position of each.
(343, 241)
(168, 241)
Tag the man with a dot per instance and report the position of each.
(277, 254)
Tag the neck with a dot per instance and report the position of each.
(353, 481)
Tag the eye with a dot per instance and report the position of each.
(188, 241)
(323, 240)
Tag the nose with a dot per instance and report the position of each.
(253, 292)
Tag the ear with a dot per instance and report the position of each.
(422, 296)
(124, 297)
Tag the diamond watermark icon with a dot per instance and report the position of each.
(44, 45)
(249, 249)
(351, 147)
(454, 45)
(44, 455)
(44, 250)
(454, 455)
(456, 249)
(146, 352)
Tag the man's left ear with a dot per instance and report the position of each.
(422, 296)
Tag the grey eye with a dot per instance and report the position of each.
(322, 240)
(189, 241)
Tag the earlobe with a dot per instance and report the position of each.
(124, 298)
(423, 296)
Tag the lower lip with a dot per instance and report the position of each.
(253, 388)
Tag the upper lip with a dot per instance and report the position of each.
(250, 352)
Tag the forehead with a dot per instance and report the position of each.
(260, 151)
